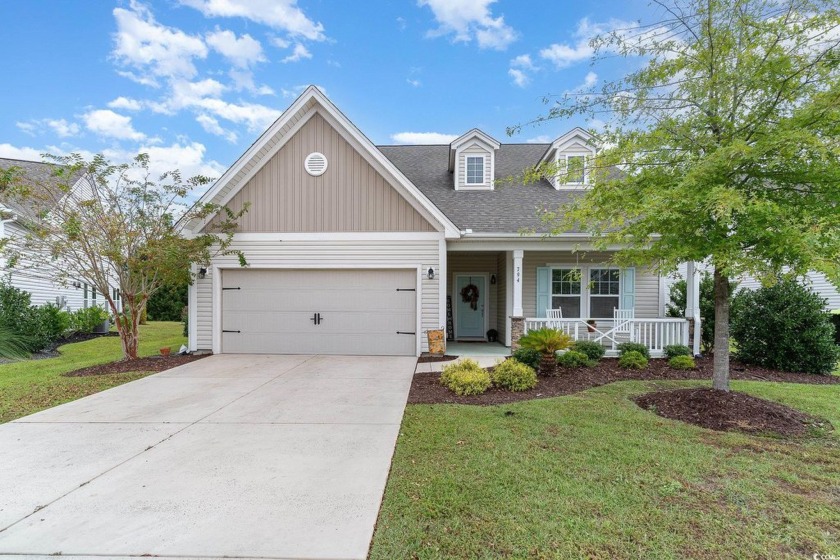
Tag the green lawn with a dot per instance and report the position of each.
(33, 385)
(593, 476)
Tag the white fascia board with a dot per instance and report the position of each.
(560, 143)
(478, 135)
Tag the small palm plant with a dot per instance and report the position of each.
(547, 342)
(12, 345)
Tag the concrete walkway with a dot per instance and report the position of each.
(229, 456)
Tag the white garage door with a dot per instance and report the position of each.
(369, 312)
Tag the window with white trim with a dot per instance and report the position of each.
(572, 169)
(566, 292)
(604, 292)
(475, 170)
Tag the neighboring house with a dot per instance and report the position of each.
(30, 274)
(354, 248)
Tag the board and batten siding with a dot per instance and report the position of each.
(647, 281)
(474, 150)
(350, 196)
(337, 253)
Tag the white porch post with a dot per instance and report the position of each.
(517, 283)
(692, 302)
(508, 298)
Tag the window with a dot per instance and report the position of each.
(475, 170)
(604, 292)
(566, 291)
(575, 170)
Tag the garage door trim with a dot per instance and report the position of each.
(216, 272)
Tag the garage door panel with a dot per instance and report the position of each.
(362, 311)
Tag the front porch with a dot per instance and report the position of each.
(497, 290)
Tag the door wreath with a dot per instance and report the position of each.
(469, 294)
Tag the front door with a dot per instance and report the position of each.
(470, 295)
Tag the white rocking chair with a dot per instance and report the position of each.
(553, 316)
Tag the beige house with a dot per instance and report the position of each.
(354, 248)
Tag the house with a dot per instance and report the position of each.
(30, 274)
(354, 248)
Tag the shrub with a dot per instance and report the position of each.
(632, 359)
(681, 361)
(834, 318)
(167, 303)
(674, 350)
(12, 345)
(593, 350)
(676, 308)
(573, 358)
(626, 347)
(86, 320)
(465, 377)
(50, 324)
(513, 375)
(35, 327)
(527, 356)
(546, 341)
(785, 327)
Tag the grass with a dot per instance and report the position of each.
(32, 385)
(592, 475)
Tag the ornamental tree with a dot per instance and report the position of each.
(723, 146)
(119, 228)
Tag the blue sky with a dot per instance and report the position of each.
(194, 82)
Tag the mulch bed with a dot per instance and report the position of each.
(722, 411)
(428, 359)
(425, 388)
(149, 364)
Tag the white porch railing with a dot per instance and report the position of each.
(656, 334)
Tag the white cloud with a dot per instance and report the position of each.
(27, 127)
(152, 48)
(63, 128)
(563, 55)
(299, 53)
(523, 61)
(279, 14)
(212, 126)
(279, 42)
(241, 51)
(24, 153)
(295, 91)
(244, 80)
(413, 82)
(423, 138)
(589, 81)
(541, 139)
(401, 23)
(471, 19)
(113, 125)
(125, 103)
(520, 78)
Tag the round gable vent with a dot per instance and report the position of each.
(315, 164)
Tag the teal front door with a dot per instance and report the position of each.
(470, 295)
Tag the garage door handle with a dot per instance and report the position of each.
(406, 289)
(402, 332)
(231, 331)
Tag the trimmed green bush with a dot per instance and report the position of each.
(681, 361)
(632, 359)
(785, 327)
(465, 377)
(35, 327)
(674, 350)
(573, 359)
(626, 347)
(86, 320)
(528, 356)
(513, 375)
(593, 350)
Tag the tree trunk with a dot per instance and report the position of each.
(720, 379)
(128, 327)
(548, 365)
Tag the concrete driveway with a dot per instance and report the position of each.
(234, 456)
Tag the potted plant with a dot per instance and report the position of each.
(591, 325)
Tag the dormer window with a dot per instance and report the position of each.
(574, 172)
(475, 170)
(569, 158)
(472, 161)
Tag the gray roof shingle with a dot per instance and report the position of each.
(510, 208)
(40, 176)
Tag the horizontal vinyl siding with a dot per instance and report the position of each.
(351, 196)
(327, 254)
(474, 150)
(647, 282)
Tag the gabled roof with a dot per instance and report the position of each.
(510, 208)
(41, 177)
(310, 101)
(473, 134)
(575, 136)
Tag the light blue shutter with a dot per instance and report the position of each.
(543, 290)
(628, 288)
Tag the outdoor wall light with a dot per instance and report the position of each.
(202, 273)
(431, 273)
(492, 278)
